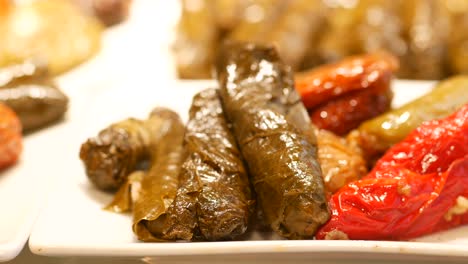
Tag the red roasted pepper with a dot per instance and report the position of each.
(355, 73)
(342, 95)
(418, 187)
(10, 137)
(348, 111)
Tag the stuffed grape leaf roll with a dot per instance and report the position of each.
(159, 185)
(214, 200)
(276, 139)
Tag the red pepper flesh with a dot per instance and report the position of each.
(412, 188)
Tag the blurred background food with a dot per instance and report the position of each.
(11, 143)
(61, 33)
(55, 31)
(109, 12)
(42, 39)
(429, 37)
(29, 90)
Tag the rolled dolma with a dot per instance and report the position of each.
(117, 150)
(159, 185)
(214, 201)
(276, 139)
(157, 124)
(29, 91)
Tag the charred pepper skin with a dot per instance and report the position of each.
(276, 139)
(418, 187)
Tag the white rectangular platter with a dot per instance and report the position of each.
(73, 223)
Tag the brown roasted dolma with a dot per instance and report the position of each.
(159, 185)
(30, 92)
(214, 201)
(275, 136)
(157, 124)
(196, 40)
(117, 151)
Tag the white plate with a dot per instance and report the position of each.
(23, 188)
(74, 223)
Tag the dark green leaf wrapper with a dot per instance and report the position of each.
(159, 185)
(214, 201)
(275, 136)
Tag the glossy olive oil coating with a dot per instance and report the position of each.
(116, 151)
(274, 134)
(159, 185)
(214, 201)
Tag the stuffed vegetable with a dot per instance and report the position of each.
(159, 185)
(275, 137)
(342, 95)
(117, 151)
(36, 30)
(420, 186)
(214, 200)
(341, 162)
(375, 136)
(11, 142)
(29, 91)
